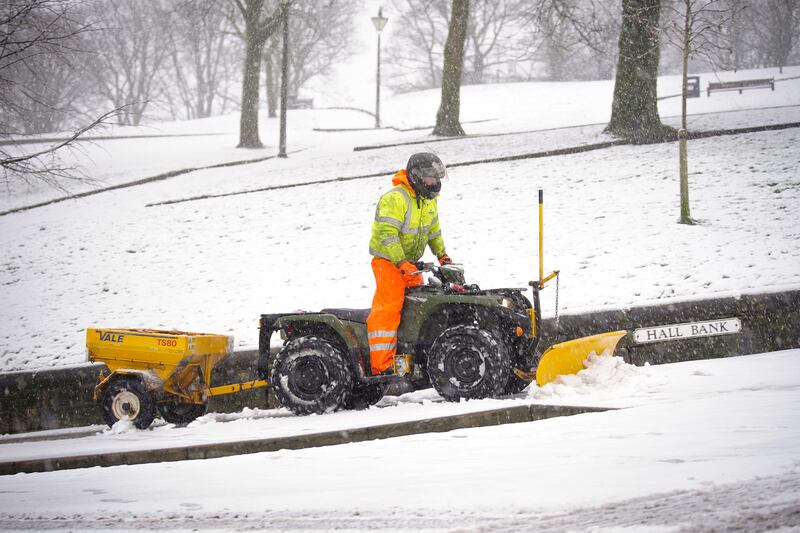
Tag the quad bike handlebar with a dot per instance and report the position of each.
(449, 277)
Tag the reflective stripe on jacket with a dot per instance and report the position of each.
(404, 224)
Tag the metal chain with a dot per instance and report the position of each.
(558, 276)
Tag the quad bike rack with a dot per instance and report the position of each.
(168, 371)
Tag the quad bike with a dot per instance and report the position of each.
(464, 341)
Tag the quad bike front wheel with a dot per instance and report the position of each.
(126, 399)
(468, 362)
(310, 376)
(177, 412)
(515, 384)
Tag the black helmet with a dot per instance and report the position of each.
(426, 165)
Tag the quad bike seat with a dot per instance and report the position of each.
(353, 315)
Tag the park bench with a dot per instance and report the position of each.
(741, 85)
(293, 102)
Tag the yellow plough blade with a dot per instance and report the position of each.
(568, 357)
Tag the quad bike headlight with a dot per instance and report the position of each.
(507, 303)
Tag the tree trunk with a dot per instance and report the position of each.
(256, 32)
(683, 156)
(634, 111)
(447, 119)
(248, 121)
(272, 98)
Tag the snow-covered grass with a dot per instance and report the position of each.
(705, 444)
(215, 265)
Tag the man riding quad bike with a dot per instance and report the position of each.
(464, 341)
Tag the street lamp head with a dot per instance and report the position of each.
(379, 21)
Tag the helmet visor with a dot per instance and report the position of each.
(433, 173)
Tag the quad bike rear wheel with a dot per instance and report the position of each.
(468, 362)
(177, 412)
(365, 395)
(125, 398)
(310, 376)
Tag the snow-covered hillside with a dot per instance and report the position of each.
(215, 265)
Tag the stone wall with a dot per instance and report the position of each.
(49, 399)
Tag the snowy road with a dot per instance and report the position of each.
(770, 503)
(704, 445)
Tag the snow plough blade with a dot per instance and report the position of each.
(568, 357)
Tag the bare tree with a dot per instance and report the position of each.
(732, 49)
(414, 60)
(777, 28)
(200, 48)
(634, 110)
(557, 39)
(37, 35)
(447, 118)
(48, 92)
(130, 54)
(322, 35)
(700, 33)
(576, 38)
(40, 42)
(46, 165)
(755, 35)
(260, 23)
(494, 39)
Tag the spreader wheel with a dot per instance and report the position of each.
(127, 399)
(310, 376)
(468, 362)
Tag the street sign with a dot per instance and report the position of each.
(722, 326)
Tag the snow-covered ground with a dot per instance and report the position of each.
(215, 265)
(706, 445)
(697, 446)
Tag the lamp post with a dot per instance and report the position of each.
(379, 22)
(284, 78)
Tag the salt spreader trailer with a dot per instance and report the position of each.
(157, 370)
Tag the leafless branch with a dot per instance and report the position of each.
(46, 166)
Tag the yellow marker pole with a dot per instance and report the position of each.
(541, 238)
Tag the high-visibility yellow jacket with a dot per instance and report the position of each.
(404, 224)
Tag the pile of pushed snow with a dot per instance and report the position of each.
(246, 414)
(414, 398)
(123, 425)
(606, 376)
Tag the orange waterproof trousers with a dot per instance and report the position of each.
(387, 308)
